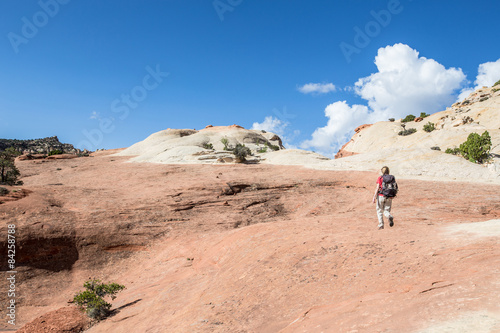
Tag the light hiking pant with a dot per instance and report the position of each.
(383, 208)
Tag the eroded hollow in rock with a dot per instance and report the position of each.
(53, 254)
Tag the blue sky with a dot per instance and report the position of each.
(67, 66)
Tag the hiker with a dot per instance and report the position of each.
(386, 190)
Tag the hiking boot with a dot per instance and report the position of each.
(391, 221)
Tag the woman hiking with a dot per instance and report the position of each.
(387, 188)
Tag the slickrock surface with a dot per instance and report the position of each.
(254, 248)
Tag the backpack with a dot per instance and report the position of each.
(389, 186)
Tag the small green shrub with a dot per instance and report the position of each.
(3, 191)
(241, 152)
(392, 120)
(262, 150)
(225, 142)
(273, 147)
(436, 148)
(407, 131)
(423, 115)
(453, 151)
(429, 127)
(207, 145)
(55, 152)
(477, 147)
(8, 170)
(91, 300)
(496, 83)
(259, 141)
(494, 90)
(408, 118)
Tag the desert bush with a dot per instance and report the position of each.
(262, 150)
(207, 145)
(8, 170)
(496, 83)
(392, 120)
(225, 142)
(273, 147)
(429, 127)
(407, 131)
(436, 148)
(423, 115)
(3, 191)
(92, 299)
(259, 141)
(494, 90)
(55, 152)
(477, 147)
(408, 118)
(453, 151)
(241, 152)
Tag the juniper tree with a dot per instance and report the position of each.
(8, 170)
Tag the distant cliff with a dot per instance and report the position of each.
(40, 146)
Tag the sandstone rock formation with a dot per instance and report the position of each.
(67, 319)
(203, 146)
(412, 156)
(342, 151)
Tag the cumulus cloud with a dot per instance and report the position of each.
(488, 75)
(342, 120)
(408, 84)
(464, 94)
(271, 124)
(405, 83)
(317, 88)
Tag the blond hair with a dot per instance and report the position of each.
(385, 170)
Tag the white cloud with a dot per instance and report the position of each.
(464, 94)
(342, 120)
(271, 124)
(317, 88)
(408, 84)
(404, 84)
(488, 75)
